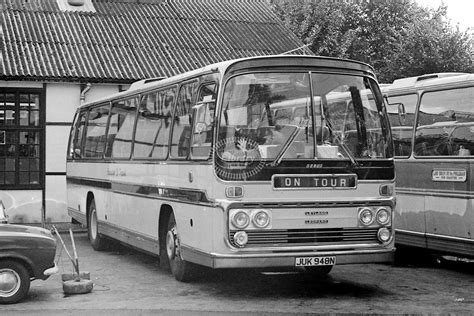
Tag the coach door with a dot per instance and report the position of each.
(444, 147)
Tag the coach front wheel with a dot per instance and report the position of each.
(182, 270)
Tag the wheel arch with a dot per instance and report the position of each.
(90, 197)
(21, 260)
(165, 211)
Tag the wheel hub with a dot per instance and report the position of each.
(93, 224)
(9, 282)
(171, 243)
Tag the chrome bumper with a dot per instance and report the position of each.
(51, 271)
(267, 260)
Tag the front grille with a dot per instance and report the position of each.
(306, 237)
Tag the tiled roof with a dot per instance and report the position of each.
(128, 40)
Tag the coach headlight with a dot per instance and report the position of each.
(241, 238)
(366, 216)
(382, 216)
(261, 219)
(240, 219)
(384, 234)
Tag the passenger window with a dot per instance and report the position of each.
(181, 137)
(153, 124)
(204, 121)
(445, 123)
(122, 120)
(75, 146)
(94, 144)
(402, 123)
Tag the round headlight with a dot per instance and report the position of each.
(384, 234)
(366, 216)
(241, 238)
(240, 219)
(261, 219)
(383, 216)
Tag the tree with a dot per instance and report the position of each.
(431, 45)
(399, 38)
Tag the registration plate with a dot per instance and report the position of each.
(315, 261)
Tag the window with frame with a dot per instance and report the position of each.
(181, 135)
(445, 123)
(94, 143)
(21, 138)
(204, 111)
(75, 138)
(401, 112)
(121, 125)
(154, 124)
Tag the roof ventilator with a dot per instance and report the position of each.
(76, 5)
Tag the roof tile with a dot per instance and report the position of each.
(128, 40)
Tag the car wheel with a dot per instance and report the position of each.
(14, 281)
(182, 270)
(95, 238)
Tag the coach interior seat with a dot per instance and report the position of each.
(462, 140)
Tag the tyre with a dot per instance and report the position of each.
(182, 270)
(95, 238)
(14, 281)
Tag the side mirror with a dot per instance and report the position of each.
(402, 115)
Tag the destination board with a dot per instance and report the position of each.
(327, 181)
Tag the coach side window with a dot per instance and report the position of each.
(401, 112)
(204, 121)
(122, 121)
(94, 143)
(75, 146)
(153, 124)
(445, 124)
(181, 137)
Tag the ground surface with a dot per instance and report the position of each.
(129, 282)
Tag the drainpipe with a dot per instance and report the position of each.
(84, 89)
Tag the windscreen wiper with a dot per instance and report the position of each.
(285, 146)
(340, 142)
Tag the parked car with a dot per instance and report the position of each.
(26, 253)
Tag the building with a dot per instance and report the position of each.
(57, 54)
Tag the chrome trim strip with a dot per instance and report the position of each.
(146, 243)
(79, 216)
(409, 232)
(430, 235)
(450, 238)
(356, 202)
(433, 192)
(22, 234)
(178, 194)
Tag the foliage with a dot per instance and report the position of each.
(398, 38)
